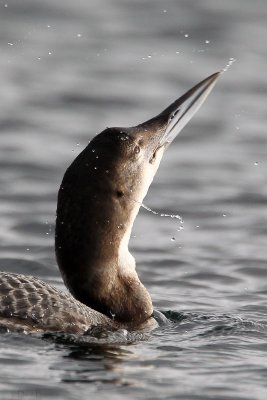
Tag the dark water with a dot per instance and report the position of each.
(68, 69)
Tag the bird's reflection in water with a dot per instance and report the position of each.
(102, 358)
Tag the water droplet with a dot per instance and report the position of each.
(228, 65)
(39, 58)
(176, 216)
(197, 226)
(96, 156)
(107, 171)
(50, 52)
(224, 215)
(28, 249)
(93, 150)
(164, 11)
(95, 167)
(186, 35)
(79, 35)
(207, 41)
(177, 52)
(10, 44)
(137, 149)
(77, 144)
(149, 56)
(256, 163)
(48, 26)
(124, 137)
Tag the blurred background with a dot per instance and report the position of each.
(69, 69)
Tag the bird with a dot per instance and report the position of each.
(98, 201)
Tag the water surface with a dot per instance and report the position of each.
(69, 69)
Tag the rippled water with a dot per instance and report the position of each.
(69, 69)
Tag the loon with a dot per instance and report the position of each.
(98, 201)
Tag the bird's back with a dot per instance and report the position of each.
(31, 305)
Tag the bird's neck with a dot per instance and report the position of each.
(92, 236)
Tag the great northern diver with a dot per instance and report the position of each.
(98, 201)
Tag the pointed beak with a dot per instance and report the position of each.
(172, 120)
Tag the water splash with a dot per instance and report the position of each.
(176, 216)
(228, 65)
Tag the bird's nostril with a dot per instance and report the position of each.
(173, 114)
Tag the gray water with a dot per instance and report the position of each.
(68, 69)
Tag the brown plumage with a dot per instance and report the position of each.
(98, 201)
